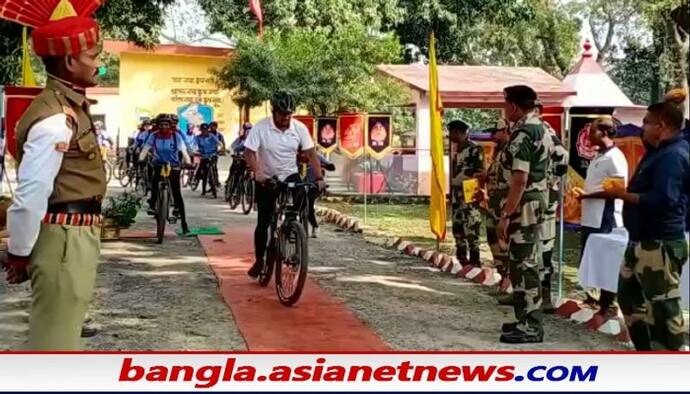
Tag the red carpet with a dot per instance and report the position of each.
(318, 322)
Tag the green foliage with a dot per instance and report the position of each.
(327, 73)
(138, 21)
(536, 33)
(233, 16)
(634, 73)
(478, 119)
(123, 209)
(10, 52)
(112, 76)
(639, 45)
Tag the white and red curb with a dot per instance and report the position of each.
(571, 309)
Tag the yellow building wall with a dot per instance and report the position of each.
(153, 83)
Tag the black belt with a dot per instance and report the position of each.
(92, 207)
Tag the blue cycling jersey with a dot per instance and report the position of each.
(207, 145)
(166, 149)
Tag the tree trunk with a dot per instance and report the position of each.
(683, 42)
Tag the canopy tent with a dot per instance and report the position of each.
(471, 87)
(479, 86)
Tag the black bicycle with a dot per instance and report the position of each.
(288, 248)
(142, 183)
(212, 176)
(126, 172)
(240, 189)
(164, 202)
(195, 178)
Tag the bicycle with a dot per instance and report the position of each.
(193, 180)
(248, 190)
(163, 203)
(211, 180)
(142, 181)
(240, 191)
(288, 248)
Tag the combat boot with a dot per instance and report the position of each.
(475, 261)
(506, 299)
(518, 336)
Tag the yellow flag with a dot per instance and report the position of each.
(27, 72)
(437, 209)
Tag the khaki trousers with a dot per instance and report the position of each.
(63, 275)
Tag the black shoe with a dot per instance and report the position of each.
(88, 332)
(506, 299)
(176, 213)
(255, 270)
(151, 211)
(508, 327)
(518, 336)
(185, 229)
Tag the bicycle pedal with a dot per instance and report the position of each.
(172, 220)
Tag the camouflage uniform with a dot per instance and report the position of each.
(649, 292)
(497, 190)
(467, 218)
(528, 151)
(547, 230)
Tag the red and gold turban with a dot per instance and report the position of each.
(60, 27)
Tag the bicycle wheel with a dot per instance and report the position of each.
(194, 181)
(108, 168)
(117, 168)
(248, 196)
(184, 180)
(163, 212)
(269, 262)
(292, 263)
(232, 194)
(124, 174)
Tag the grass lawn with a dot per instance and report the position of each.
(411, 222)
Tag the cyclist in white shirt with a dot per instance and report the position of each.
(271, 151)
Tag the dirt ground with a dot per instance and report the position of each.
(153, 297)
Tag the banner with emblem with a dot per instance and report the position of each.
(16, 102)
(351, 130)
(581, 154)
(308, 121)
(379, 135)
(326, 134)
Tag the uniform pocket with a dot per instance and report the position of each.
(88, 151)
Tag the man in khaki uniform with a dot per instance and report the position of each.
(54, 222)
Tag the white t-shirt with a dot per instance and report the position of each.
(611, 163)
(277, 150)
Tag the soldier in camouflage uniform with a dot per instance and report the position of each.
(467, 218)
(547, 231)
(655, 211)
(526, 164)
(497, 191)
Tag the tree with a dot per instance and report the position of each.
(186, 23)
(612, 22)
(635, 71)
(133, 20)
(327, 73)
(233, 16)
